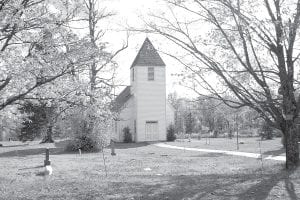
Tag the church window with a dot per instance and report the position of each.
(150, 73)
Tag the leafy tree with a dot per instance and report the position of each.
(189, 123)
(171, 133)
(266, 131)
(96, 81)
(45, 61)
(248, 48)
(11, 123)
(35, 48)
(34, 122)
(99, 83)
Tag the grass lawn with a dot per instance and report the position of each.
(252, 145)
(174, 174)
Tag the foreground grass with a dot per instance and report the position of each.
(174, 175)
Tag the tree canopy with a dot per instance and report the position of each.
(243, 52)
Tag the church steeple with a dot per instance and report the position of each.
(147, 56)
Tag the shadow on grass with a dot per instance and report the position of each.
(62, 143)
(35, 167)
(118, 145)
(16, 145)
(289, 186)
(130, 145)
(263, 188)
(60, 149)
(275, 152)
(31, 152)
(252, 186)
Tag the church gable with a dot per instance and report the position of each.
(147, 56)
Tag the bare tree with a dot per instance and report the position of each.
(104, 59)
(249, 48)
(102, 68)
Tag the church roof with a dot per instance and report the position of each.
(147, 56)
(122, 98)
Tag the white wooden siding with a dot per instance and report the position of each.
(150, 100)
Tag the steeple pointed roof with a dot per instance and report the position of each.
(147, 56)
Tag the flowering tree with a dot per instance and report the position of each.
(35, 48)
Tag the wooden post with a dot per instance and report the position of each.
(112, 146)
(237, 132)
(47, 160)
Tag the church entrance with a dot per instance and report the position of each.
(151, 130)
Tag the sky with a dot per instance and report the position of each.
(131, 12)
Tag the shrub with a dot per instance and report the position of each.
(171, 133)
(277, 133)
(215, 134)
(71, 146)
(246, 133)
(266, 131)
(127, 135)
(84, 143)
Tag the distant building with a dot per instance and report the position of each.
(142, 106)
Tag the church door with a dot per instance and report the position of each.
(151, 131)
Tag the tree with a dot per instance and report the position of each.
(34, 121)
(35, 48)
(266, 131)
(248, 48)
(179, 105)
(100, 84)
(189, 123)
(93, 117)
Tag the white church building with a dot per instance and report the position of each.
(143, 106)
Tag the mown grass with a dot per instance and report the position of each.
(174, 174)
(252, 145)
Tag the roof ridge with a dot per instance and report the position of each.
(147, 55)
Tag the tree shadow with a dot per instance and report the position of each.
(35, 167)
(262, 189)
(275, 152)
(59, 149)
(266, 184)
(31, 152)
(289, 186)
(16, 145)
(118, 145)
(130, 145)
(209, 186)
(251, 186)
(62, 143)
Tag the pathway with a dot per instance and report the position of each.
(235, 153)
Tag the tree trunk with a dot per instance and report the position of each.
(292, 149)
(48, 136)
